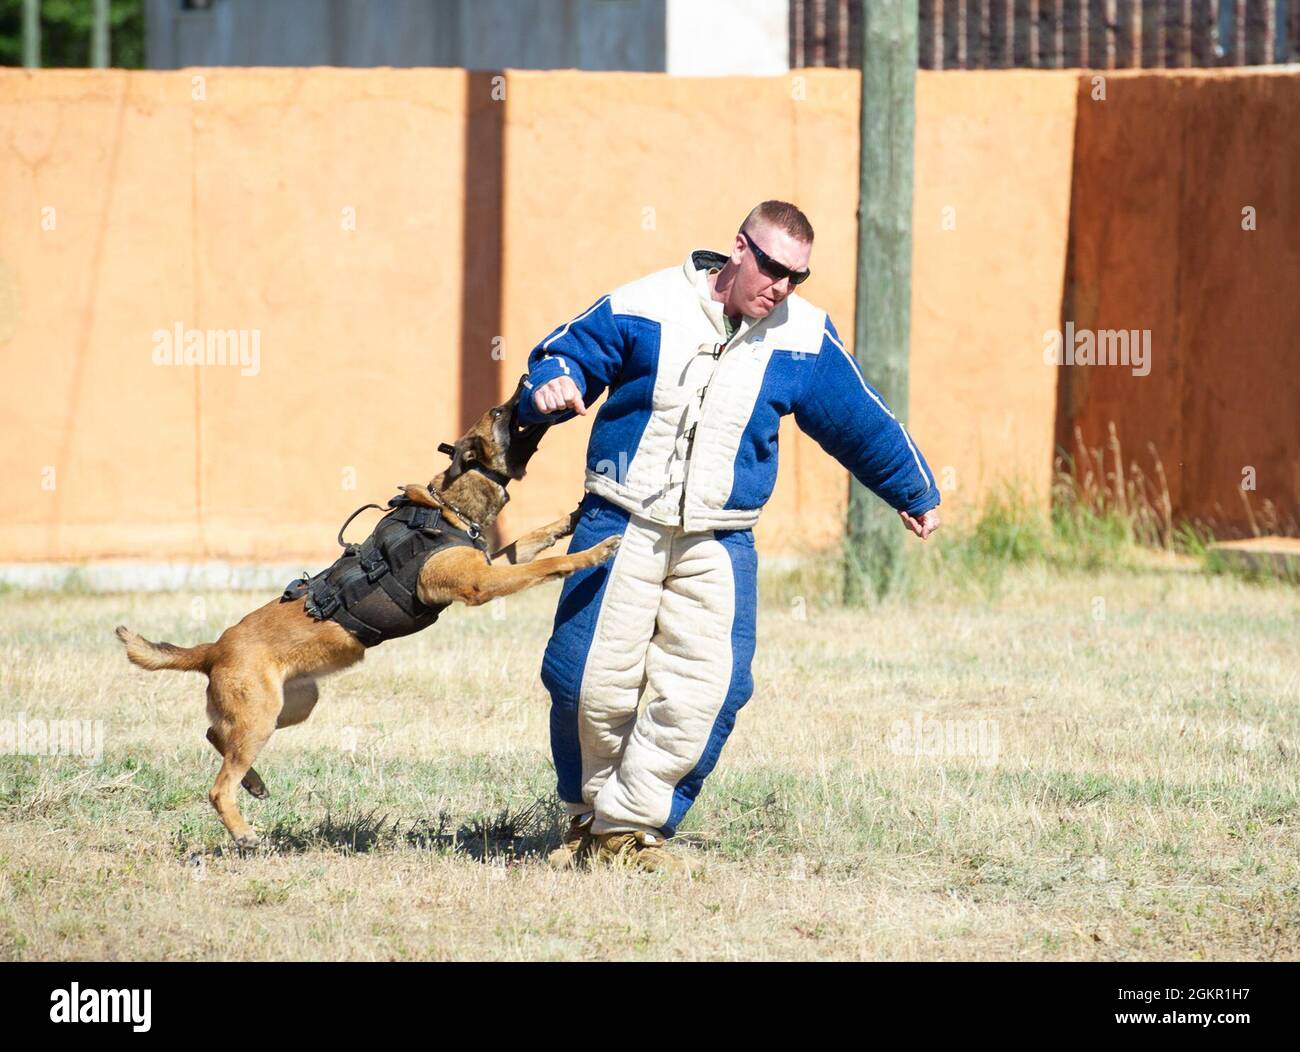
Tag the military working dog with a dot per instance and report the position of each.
(424, 554)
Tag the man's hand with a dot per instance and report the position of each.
(925, 525)
(557, 395)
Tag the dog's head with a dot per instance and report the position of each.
(498, 441)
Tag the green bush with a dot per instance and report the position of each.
(66, 29)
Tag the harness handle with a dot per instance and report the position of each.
(348, 522)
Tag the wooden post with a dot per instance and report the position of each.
(99, 36)
(884, 285)
(32, 34)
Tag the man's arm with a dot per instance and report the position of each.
(851, 422)
(573, 366)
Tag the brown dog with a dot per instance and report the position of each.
(262, 671)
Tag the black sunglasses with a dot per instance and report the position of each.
(771, 267)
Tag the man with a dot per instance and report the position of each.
(701, 362)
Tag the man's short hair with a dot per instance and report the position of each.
(784, 216)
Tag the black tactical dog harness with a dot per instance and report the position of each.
(371, 589)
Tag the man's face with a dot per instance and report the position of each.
(757, 293)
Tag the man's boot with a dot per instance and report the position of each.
(641, 851)
(575, 849)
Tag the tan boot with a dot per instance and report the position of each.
(576, 847)
(641, 851)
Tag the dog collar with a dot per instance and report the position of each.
(474, 530)
(498, 477)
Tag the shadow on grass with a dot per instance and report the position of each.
(509, 835)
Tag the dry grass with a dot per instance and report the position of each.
(1143, 804)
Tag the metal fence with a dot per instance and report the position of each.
(1061, 34)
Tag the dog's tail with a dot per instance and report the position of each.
(154, 656)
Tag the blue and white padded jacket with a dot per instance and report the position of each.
(688, 435)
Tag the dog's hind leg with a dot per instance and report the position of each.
(252, 781)
(300, 697)
(244, 707)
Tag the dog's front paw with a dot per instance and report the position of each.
(604, 551)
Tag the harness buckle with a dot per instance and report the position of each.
(328, 603)
(431, 528)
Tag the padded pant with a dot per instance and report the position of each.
(671, 616)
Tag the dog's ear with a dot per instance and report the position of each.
(468, 450)
(472, 447)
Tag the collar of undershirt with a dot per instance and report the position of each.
(709, 262)
(704, 259)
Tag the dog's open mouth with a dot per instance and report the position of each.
(522, 443)
(521, 440)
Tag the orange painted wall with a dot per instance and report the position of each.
(224, 212)
(479, 226)
(990, 217)
(1161, 248)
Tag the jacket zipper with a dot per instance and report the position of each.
(719, 350)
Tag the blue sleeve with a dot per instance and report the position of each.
(588, 349)
(851, 422)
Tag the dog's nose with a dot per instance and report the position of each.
(519, 391)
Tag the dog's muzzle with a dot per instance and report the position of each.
(524, 438)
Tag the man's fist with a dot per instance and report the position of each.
(925, 525)
(557, 395)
